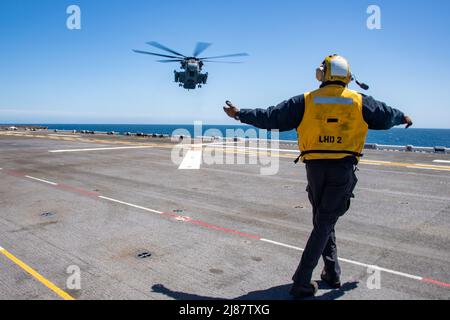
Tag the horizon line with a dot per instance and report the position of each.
(167, 124)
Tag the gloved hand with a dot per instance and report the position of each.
(231, 110)
(408, 122)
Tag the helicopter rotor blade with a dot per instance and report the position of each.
(233, 62)
(167, 61)
(155, 54)
(201, 46)
(160, 46)
(226, 56)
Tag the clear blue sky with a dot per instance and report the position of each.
(49, 74)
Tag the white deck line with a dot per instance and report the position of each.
(99, 149)
(253, 148)
(428, 168)
(361, 264)
(442, 161)
(42, 180)
(130, 205)
(192, 160)
(431, 165)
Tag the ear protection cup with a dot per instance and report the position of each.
(320, 74)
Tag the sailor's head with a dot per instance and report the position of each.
(334, 68)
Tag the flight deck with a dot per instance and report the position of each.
(113, 217)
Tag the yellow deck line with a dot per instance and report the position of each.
(64, 295)
(368, 162)
(406, 165)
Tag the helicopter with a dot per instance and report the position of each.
(191, 77)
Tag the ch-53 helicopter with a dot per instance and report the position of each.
(192, 76)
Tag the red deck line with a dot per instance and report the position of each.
(14, 173)
(439, 283)
(77, 190)
(209, 226)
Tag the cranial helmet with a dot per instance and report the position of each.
(334, 68)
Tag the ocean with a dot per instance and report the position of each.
(395, 136)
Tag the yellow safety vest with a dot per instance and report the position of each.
(333, 126)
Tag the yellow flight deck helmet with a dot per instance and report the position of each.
(337, 68)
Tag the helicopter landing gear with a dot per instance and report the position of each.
(199, 86)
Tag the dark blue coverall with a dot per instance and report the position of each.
(330, 182)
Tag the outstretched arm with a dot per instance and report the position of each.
(380, 116)
(284, 116)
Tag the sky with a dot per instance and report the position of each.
(50, 74)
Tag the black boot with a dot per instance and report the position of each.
(333, 282)
(301, 291)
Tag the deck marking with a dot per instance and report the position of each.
(226, 230)
(439, 283)
(62, 294)
(367, 161)
(253, 148)
(13, 173)
(99, 149)
(442, 161)
(402, 274)
(282, 244)
(77, 190)
(258, 150)
(406, 165)
(428, 168)
(64, 135)
(191, 160)
(183, 218)
(430, 165)
(42, 180)
(130, 204)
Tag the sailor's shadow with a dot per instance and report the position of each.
(274, 293)
(336, 293)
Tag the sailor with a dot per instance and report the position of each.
(332, 123)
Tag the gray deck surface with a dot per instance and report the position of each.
(400, 220)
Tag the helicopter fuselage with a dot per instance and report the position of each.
(191, 77)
